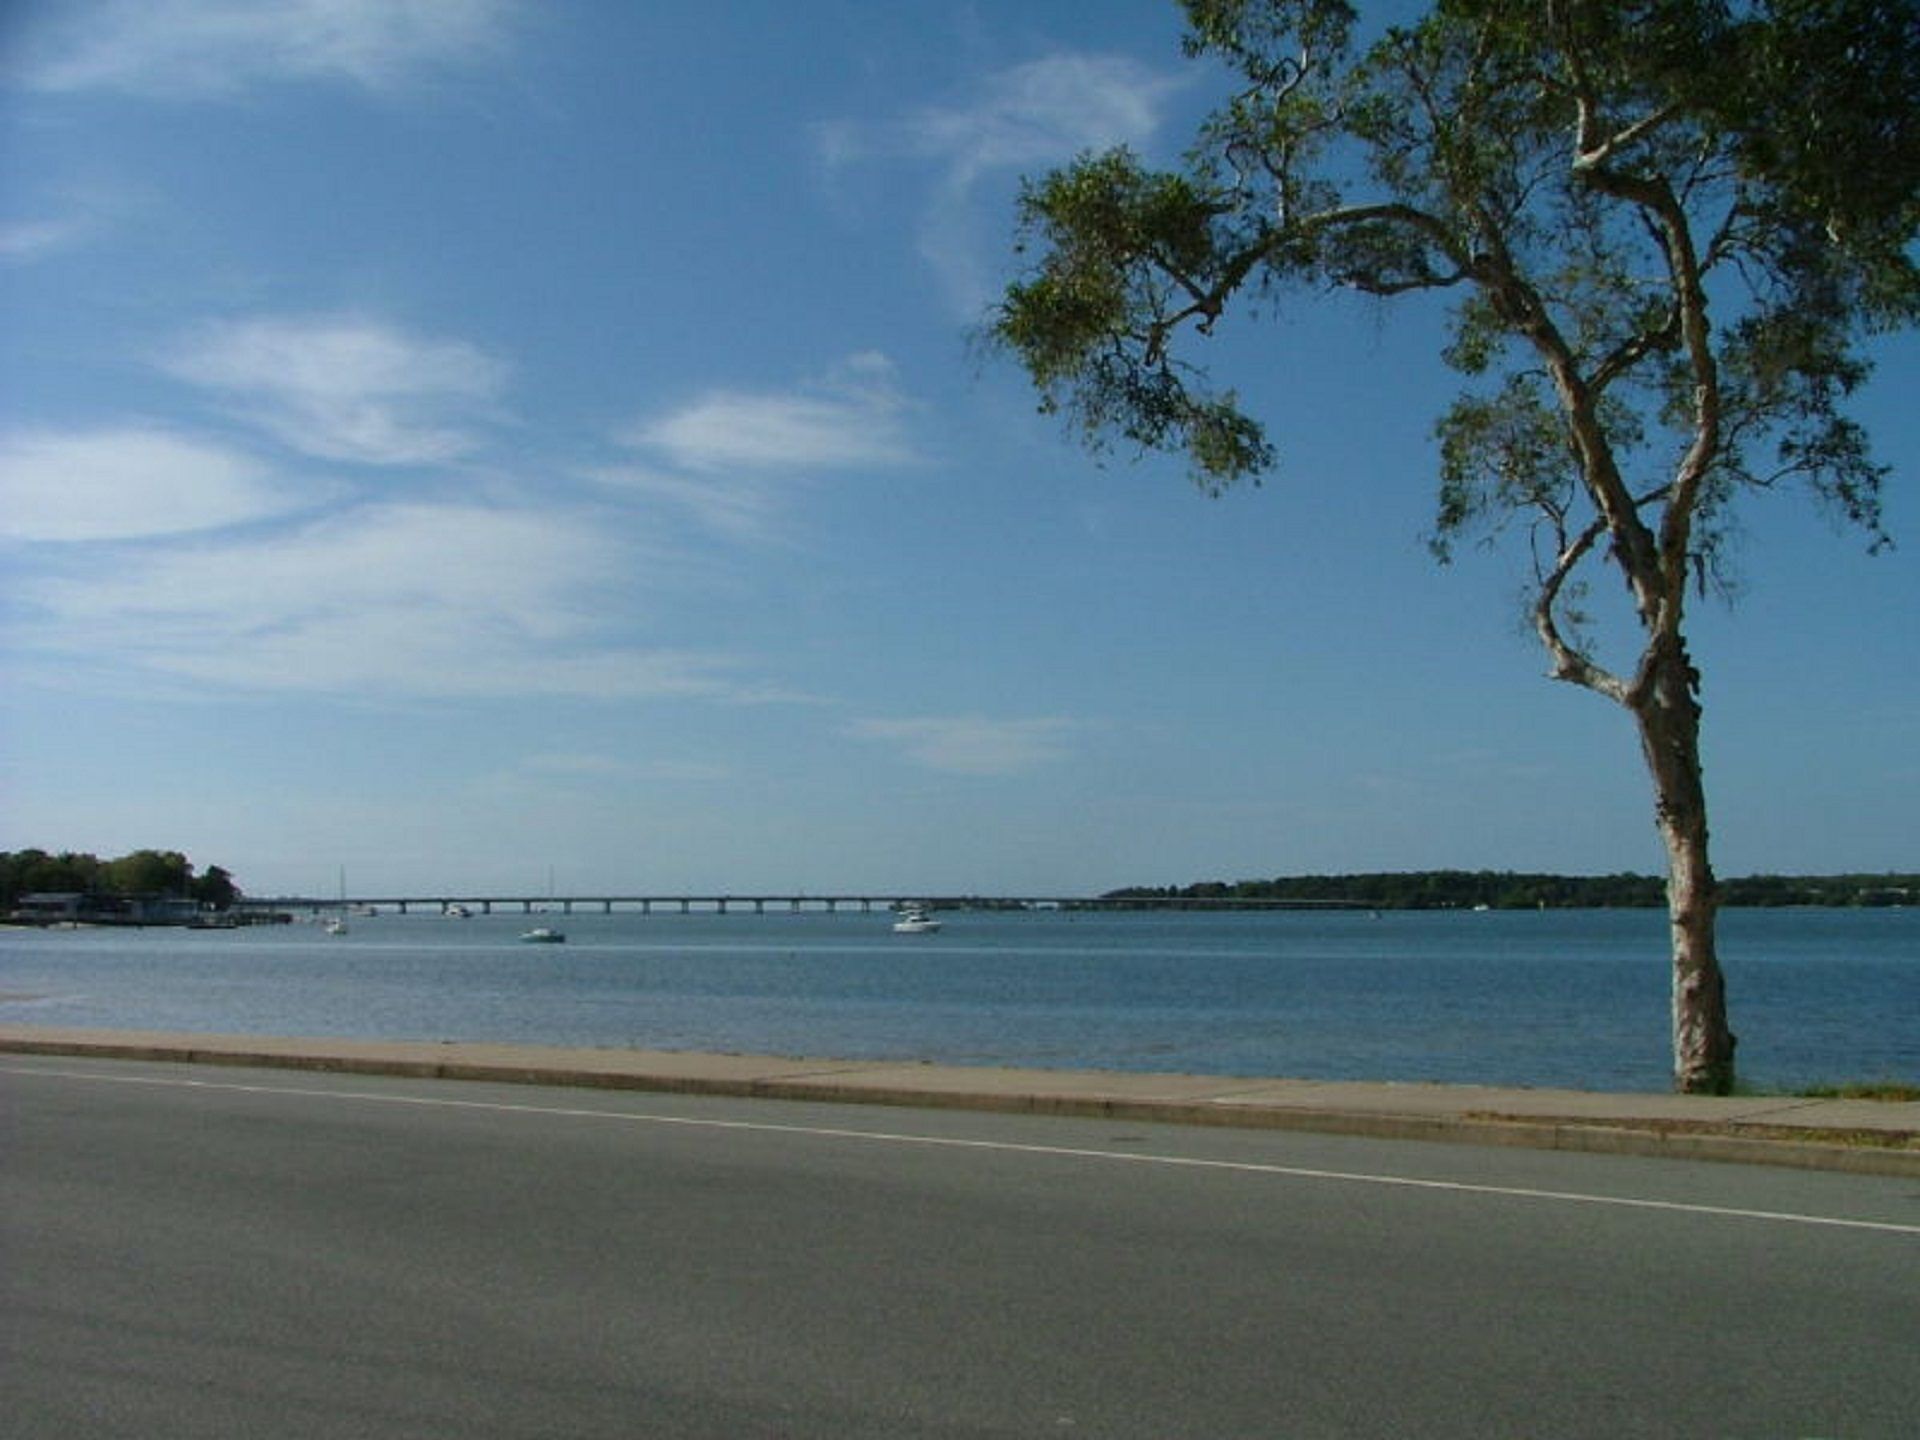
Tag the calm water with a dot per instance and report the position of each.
(1575, 998)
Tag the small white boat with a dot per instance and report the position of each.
(544, 935)
(457, 912)
(337, 925)
(915, 920)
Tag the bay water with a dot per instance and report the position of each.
(1549, 998)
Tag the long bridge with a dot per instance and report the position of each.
(686, 904)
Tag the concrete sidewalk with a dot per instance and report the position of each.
(1862, 1136)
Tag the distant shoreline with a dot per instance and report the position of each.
(1512, 890)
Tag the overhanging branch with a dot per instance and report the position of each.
(1570, 663)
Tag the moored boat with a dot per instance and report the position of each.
(915, 920)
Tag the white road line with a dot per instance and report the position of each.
(1248, 1167)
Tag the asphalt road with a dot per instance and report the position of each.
(210, 1253)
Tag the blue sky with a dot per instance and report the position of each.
(470, 441)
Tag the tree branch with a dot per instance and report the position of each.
(1687, 323)
(1635, 348)
(1690, 313)
(1569, 663)
(1597, 154)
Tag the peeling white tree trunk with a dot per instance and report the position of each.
(1669, 722)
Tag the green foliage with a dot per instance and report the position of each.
(143, 873)
(24, 872)
(1667, 226)
(1893, 1091)
(1827, 109)
(216, 888)
(1506, 890)
(1092, 324)
(148, 872)
(1499, 454)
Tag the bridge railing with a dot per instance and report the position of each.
(721, 904)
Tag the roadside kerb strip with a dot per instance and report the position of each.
(1774, 1130)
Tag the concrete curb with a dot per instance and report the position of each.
(1599, 1124)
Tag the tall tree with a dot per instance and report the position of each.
(150, 872)
(216, 888)
(1667, 225)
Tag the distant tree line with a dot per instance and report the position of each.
(1508, 890)
(142, 873)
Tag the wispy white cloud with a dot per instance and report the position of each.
(392, 601)
(728, 460)
(128, 482)
(76, 211)
(974, 744)
(202, 48)
(1036, 114)
(24, 241)
(785, 432)
(1043, 111)
(345, 387)
(734, 506)
(856, 417)
(397, 598)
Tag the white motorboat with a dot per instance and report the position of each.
(915, 920)
(544, 935)
(337, 925)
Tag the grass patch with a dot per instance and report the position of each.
(1864, 1090)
